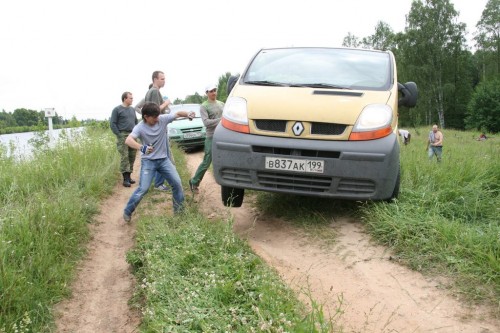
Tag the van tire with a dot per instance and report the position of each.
(232, 197)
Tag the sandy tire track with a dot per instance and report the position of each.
(104, 283)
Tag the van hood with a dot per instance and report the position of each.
(308, 104)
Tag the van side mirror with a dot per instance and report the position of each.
(409, 94)
(231, 82)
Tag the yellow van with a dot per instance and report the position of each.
(312, 121)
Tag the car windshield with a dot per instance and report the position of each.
(328, 68)
(186, 107)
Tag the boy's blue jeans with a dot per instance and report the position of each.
(148, 170)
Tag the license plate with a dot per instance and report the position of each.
(191, 135)
(291, 164)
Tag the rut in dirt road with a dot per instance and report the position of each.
(373, 292)
(104, 284)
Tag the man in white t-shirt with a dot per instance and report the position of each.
(405, 136)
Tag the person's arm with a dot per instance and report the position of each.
(165, 105)
(132, 143)
(185, 114)
(139, 106)
(210, 123)
(113, 121)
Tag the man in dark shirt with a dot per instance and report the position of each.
(122, 122)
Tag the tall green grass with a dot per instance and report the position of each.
(446, 220)
(46, 203)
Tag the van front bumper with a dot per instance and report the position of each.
(355, 170)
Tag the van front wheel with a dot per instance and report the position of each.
(232, 197)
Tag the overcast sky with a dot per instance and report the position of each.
(79, 57)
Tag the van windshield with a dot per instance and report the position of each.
(327, 68)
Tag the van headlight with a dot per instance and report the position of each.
(173, 131)
(235, 115)
(374, 122)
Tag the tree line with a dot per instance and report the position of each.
(457, 88)
(26, 120)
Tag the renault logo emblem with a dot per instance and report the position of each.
(298, 128)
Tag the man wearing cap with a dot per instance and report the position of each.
(211, 113)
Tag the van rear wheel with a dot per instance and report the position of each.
(232, 197)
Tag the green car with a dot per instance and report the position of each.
(188, 134)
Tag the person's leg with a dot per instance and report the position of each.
(168, 171)
(131, 160)
(146, 176)
(204, 165)
(439, 152)
(430, 153)
(159, 180)
(124, 164)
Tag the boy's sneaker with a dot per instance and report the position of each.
(193, 187)
(126, 217)
(162, 188)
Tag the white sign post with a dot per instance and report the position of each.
(49, 113)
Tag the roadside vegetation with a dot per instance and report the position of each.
(445, 221)
(46, 203)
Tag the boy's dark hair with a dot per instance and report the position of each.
(150, 109)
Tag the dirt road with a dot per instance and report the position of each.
(373, 292)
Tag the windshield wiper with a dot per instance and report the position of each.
(320, 85)
(267, 83)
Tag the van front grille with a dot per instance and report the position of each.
(279, 126)
(356, 186)
(271, 125)
(293, 182)
(327, 129)
(237, 176)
